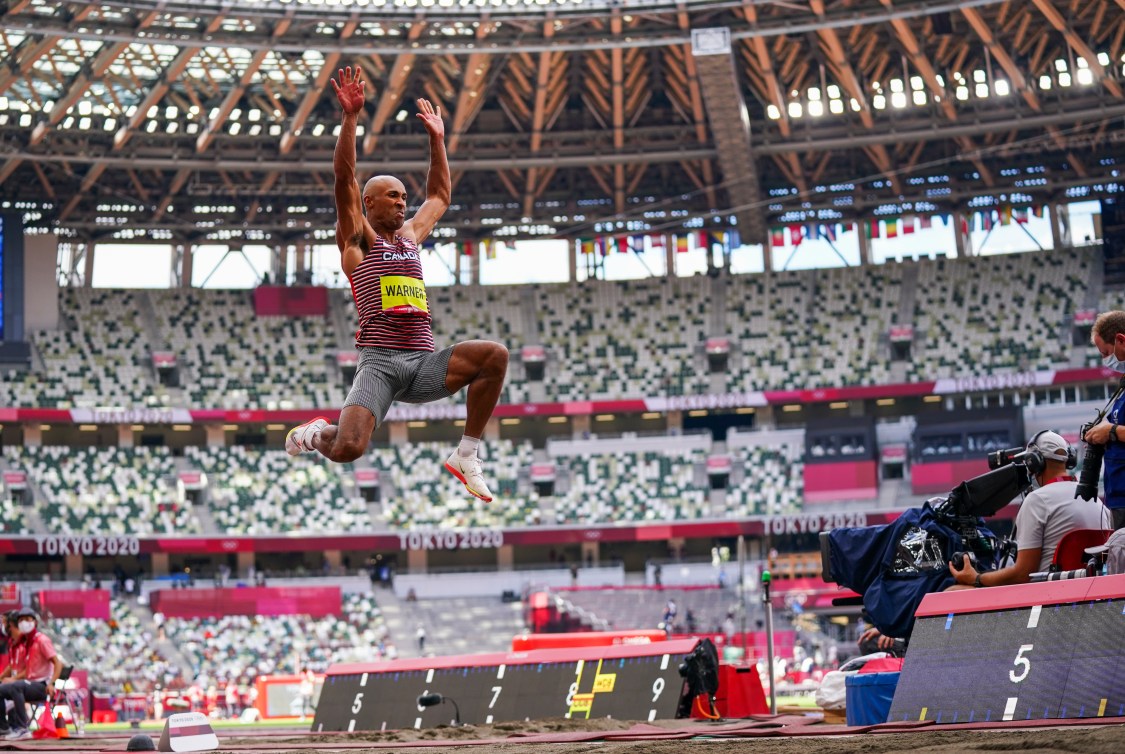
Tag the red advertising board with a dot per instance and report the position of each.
(275, 301)
(845, 480)
(317, 602)
(75, 603)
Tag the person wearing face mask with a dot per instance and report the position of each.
(1046, 515)
(1108, 335)
(37, 668)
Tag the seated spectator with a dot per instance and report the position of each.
(37, 667)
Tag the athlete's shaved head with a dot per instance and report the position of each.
(384, 200)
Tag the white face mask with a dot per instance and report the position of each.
(1111, 361)
(26, 626)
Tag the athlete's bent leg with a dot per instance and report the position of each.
(346, 441)
(481, 365)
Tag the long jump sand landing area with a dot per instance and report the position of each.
(783, 734)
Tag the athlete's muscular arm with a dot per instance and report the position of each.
(349, 205)
(438, 185)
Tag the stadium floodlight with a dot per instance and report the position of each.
(1085, 76)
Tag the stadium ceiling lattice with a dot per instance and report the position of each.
(188, 121)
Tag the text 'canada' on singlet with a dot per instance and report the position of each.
(390, 297)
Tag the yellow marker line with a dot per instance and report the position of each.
(922, 717)
(1101, 708)
(596, 674)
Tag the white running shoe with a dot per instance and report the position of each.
(18, 734)
(468, 472)
(297, 441)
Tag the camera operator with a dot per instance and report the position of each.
(1047, 514)
(1109, 338)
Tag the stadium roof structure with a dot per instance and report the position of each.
(213, 120)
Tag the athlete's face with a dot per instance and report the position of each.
(385, 202)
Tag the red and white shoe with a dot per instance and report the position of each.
(298, 439)
(468, 472)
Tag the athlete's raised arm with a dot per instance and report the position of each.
(438, 185)
(350, 219)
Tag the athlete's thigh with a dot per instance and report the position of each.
(374, 386)
(428, 377)
(465, 362)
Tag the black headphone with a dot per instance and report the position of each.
(1034, 460)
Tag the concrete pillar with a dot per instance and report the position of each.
(88, 269)
(416, 561)
(32, 435)
(187, 260)
(670, 254)
(216, 435)
(676, 546)
(764, 417)
(458, 258)
(73, 567)
(335, 560)
(398, 432)
(492, 429)
(1060, 225)
(675, 421)
(302, 262)
(591, 553)
(124, 435)
(864, 243)
(580, 426)
(505, 558)
(160, 565)
(474, 265)
(572, 261)
(244, 562)
(280, 266)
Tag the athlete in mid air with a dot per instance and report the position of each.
(397, 361)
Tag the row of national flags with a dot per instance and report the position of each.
(636, 242)
(893, 227)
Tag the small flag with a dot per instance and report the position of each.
(637, 243)
(925, 222)
(467, 248)
(892, 227)
(1037, 210)
(1019, 214)
(603, 246)
(1006, 214)
(830, 231)
(734, 239)
(777, 237)
(681, 244)
(871, 229)
(908, 225)
(657, 242)
(986, 220)
(812, 231)
(704, 240)
(489, 248)
(587, 245)
(796, 235)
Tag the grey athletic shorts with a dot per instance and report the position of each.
(386, 375)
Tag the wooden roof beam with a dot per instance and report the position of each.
(313, 95)
(393, 93)
(36, 50)
(617, 72)
(177, 183)
(1051, 13)
(1001, 56)
(922, 62)
(843, 68)
(539, 116)
(765, 64)
(471, 98)
(157, 90)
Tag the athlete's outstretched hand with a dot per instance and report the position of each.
(431, 117)
(349, 90)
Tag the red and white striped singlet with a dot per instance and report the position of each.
(390, 297)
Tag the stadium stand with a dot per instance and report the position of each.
(423, 494)
(623, 486)
(118, 654)
(106, 490)
(770, 483)
(255, 491)
(93, 359)
(238, 646)
(605, 339)
(234, 358)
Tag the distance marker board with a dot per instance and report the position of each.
(1025, 652)
(630, 682)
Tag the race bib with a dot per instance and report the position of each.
(403, 295)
